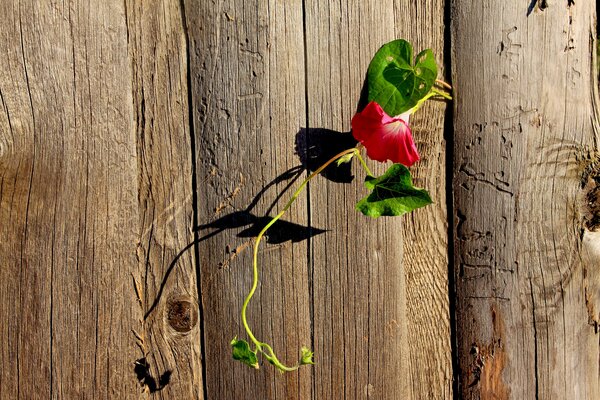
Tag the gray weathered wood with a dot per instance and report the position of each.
(525, 130)
(248, 67)
(68, 202)
(96, 202)
(373, 346)
(360, 327)
(425, 234)
(248, 92)
(170, 332)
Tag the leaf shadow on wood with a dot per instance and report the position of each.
(363, 99)
(315, 146)
(280, 232)
(142, 371)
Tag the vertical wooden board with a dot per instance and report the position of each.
(248, 102)
(348, 261)
(68, 198)
(367, 343)
(524, 133)
(169, 332)
(25, 288)
(425, 232)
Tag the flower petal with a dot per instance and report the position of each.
(384, 137)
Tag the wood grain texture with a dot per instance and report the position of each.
(68, 202)
(248, 94)
(373, 346)
(525, 128)
(360, 318)
(425, 232)
(170, 335)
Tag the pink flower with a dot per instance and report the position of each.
(385, 137)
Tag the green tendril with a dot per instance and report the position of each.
(241, 349)
(248, 356)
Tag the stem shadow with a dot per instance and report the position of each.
(314, 146)
(280, 232)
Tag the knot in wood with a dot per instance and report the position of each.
(182, 315)
(590, 208)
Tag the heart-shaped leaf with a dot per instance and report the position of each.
(242, 352)
(394, 82)
(392, 194)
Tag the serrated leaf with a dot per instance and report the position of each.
(242, 352)
(394, 82)
(392, 194)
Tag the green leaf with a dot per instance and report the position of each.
(345, 159)
(392, 194)
(242, 352)
(307, 356)
(394, 82)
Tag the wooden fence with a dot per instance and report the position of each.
(143, 143)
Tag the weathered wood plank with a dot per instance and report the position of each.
(359, 290)
(425, 233)
(360, 328)
(228, 120)
(372, 347)
(170, 332)
(68, 202)
(524, 127)
(247, 64)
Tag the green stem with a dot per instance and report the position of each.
(440, 93)
(423, 100)
(259, 345)
(275, 361)
(432, 92)
(363, 163)
(255, 281)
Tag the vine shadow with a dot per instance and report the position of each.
(313, 146)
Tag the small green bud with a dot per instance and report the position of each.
(307, 356)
